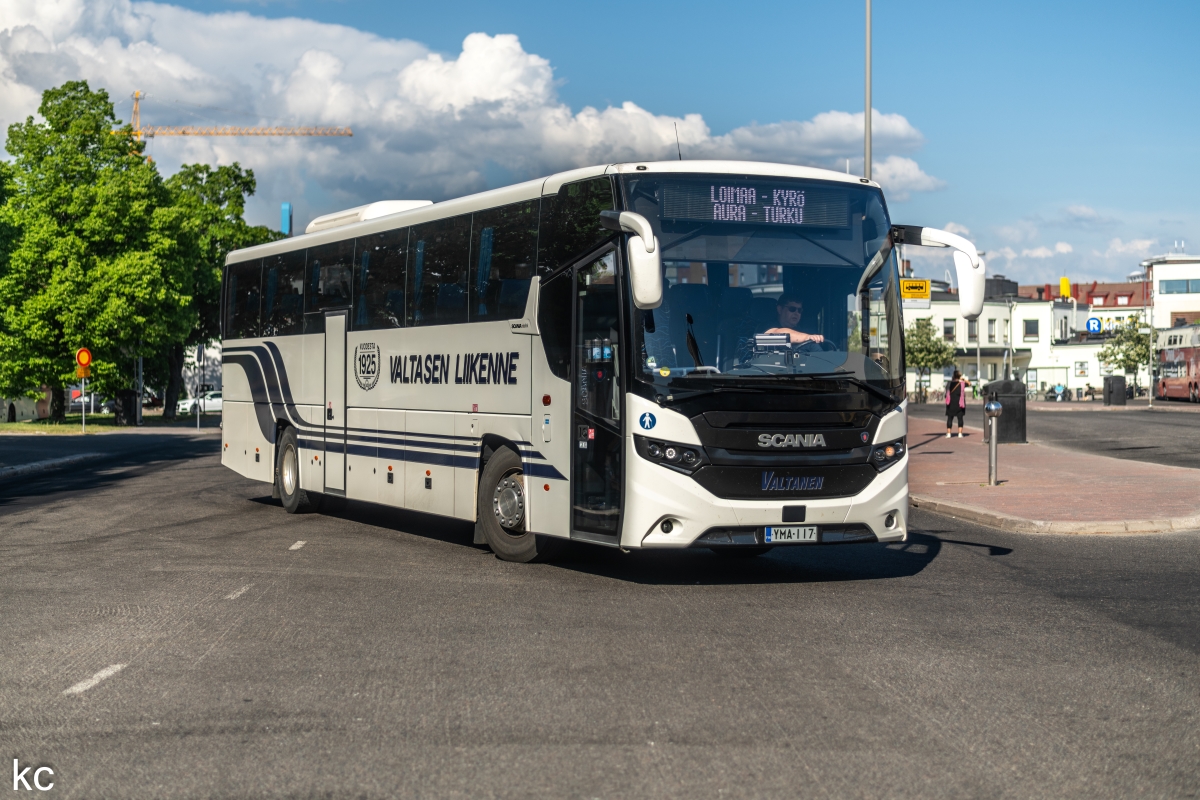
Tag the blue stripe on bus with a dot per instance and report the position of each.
(269, 387)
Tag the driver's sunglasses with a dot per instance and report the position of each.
(793, 308)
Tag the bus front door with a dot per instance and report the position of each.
(335, 402)
(596, 474)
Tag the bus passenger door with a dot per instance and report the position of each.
(335, 402)
(596, 473)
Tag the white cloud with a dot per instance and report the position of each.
(954, 227)
(425, 125)
(1134, 247)
(1045, 252)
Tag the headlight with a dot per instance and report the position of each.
(685, 458)
(888, 453)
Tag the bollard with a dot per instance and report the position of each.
(992, 411)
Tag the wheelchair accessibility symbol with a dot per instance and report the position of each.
(647, 421)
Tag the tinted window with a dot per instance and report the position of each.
(571, 222)
(437, 280)
(379, 280)
(283, 294)
(242, 299)
(329, 275)
(554, 324)
(504, 250)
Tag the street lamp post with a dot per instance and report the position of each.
(867, 113)
(1146, 286)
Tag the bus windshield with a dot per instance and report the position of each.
(767, 280)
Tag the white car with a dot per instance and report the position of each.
(209, 404)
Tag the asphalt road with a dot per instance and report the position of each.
(388, 657)
(1160, 437)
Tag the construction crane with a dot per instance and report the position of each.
(141, 134)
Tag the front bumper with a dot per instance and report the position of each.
(655, 494)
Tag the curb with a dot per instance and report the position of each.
(49, 465)
(1012, 524)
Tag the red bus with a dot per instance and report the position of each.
(1179, 364)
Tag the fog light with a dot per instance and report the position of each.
(666, 526)
(889, 521)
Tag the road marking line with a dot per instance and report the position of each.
(297, 545)
(107, 672)
(238, 593)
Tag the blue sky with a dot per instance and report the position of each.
(1052, 128)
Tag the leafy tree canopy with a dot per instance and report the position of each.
(1127, 349)
(924, 349)
(97, 250)
(96, 254)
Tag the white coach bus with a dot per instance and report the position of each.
(644, 355)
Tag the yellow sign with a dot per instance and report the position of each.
(914, 288)
(1064, 287)
(83, 372)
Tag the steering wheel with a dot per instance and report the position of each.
(811, 346)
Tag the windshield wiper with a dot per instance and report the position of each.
(692, 345)
(673, 396)
(848, 376)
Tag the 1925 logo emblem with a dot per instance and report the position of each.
(366, 365)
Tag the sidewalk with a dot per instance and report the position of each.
(1044, 489)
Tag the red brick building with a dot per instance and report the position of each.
(1096, 294)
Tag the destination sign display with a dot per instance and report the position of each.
(763, 203)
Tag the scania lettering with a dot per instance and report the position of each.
(649, 355)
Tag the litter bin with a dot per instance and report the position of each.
(1114, 390)
(126, 407)
(1010, 428)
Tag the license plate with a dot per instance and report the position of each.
(804, 533)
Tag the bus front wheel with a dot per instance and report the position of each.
(501, 512)
(287, 476)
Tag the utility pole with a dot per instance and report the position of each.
(867, 113)
(1147, 285)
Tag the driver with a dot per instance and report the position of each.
(789, 309)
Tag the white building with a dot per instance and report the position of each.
(1176, 281)
(1035, 341)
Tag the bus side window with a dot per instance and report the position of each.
(379, 280)
(503, 252)
(437, 282)
(554, 323)
(242, 299)
(570, 225)
(283, 294)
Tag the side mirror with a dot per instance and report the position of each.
(967, 263)
(645, 262)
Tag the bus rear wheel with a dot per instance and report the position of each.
(287, 476)
(501, 512)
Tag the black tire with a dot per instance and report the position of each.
(741, 552)
(501, 512)
(287, 476)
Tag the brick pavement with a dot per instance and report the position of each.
(1045, 489)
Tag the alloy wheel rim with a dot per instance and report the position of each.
(289, 470)
(508, 501)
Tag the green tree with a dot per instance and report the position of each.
(95, 251)
(1126, 348)
(213, 202)
(924, 349)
